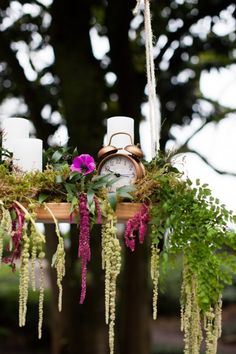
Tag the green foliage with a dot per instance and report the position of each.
(185, 217)
(9, 304)
(190, 221)
(58, 156)
(25, 187)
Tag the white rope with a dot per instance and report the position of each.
(137, 7)
(154, 111)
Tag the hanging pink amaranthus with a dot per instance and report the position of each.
(83, 164)
(17, 228)
(137, 225)
(99, 210)
(84, 242)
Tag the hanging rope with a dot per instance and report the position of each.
(154, 111)
(137, 7)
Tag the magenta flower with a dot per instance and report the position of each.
(138, 224)
(17, 231)
(84, 251)
(99, 210)
(84, 164)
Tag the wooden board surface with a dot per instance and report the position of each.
(61, 211)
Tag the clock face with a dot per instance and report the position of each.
(123, 167)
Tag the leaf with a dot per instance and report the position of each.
(75, 176)
(103, 181)
(126, 189)
(75, 153)
(57, 155)
(73, 204)
(71, 191)
(42, 197)
(100, 178)
(112, 200)
(112, 181)
(123, 192)
(58, 179)
(125, 195)
(198, 182)
(90, 197)
(174, 169)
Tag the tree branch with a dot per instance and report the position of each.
(204, 159)
(35, 96)
(184, 148)
(188, 22)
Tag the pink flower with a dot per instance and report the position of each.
(137, 225)
(17, 228)
(84, 164)
(84, 242)
(99, 210)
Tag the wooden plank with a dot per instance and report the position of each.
(61, 211)
(125, 211)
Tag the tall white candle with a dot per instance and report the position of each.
(28, 154)
(120, 124)
(14, 128)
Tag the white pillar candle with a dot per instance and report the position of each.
(28, 154)
(14, 128)
(120, 124)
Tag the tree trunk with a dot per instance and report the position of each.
(79, 329)
(130, 82)
(82, 82)
(80, 74)
(135, 314)
(135, 318)
(56, 318)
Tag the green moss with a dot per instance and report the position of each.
(25, 187)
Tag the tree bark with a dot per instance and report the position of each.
(130, 82)
(80, 74)
(135, 304)
(135, 314)
(79, 329)
(56, 317)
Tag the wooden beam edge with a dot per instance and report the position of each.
(61, 211)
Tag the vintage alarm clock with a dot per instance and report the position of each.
(127, 165)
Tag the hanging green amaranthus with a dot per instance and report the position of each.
(58, 260)
(29, 236)
(5, 227)
(111, 263)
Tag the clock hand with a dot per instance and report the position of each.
(115, 173)
(121, 174)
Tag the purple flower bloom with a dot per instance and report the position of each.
(84, 164)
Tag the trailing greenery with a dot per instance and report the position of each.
(186, 220)
(193, 223)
